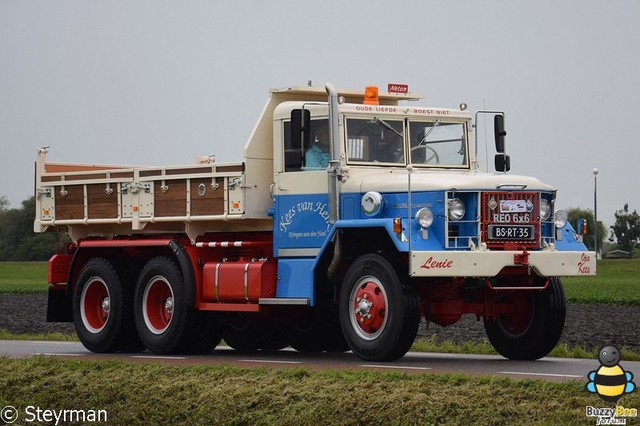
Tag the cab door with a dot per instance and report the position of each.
(301, 222)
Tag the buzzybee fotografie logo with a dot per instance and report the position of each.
(610, 382)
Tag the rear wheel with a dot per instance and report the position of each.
(534, 326)
(165, 321)
(102, 308)
(379, 311)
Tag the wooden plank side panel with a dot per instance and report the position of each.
(71, 167)
(206, 200)
(102, 204)
(71, 205)
(173, 201)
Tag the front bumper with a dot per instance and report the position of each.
(488, 263)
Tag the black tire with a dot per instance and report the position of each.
(103, 309)
(379, 311)
(205, 333)
(317, 330)
(534, 329)
(164, 320)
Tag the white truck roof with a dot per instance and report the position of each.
(351, 96)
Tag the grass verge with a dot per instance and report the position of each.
(54, 337)
(153, 393)
(562, 350)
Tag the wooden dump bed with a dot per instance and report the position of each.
(89, 199)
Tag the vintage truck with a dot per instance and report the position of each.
(353, 215)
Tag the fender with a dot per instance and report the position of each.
(384, 223)
(184, 261)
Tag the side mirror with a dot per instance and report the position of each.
(499, 132)
(502, 163)
(300, 128)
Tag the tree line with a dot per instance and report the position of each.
(18, 242)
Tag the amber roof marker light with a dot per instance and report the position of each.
(371, 96)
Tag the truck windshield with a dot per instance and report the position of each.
(382, 142)
(375, 141)
(437, 143)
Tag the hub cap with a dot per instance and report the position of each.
(157, 305)
(368, 308)
(517, 323)
(95, 305)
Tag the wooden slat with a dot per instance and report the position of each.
(70, 206)
(212, 202)
(101, 204)
(173, 202)
(65, 168)
(86, 176)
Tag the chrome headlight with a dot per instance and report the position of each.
(456, 209)
(560, 217)
(545, 209)
(371, 203)
(424, 217)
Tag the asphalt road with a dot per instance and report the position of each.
(555, 369)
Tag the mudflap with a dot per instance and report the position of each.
(59, 307)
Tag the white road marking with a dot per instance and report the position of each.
(269, 361)
(398, 367)
(158, 357)
(54, 354)
(522, 373)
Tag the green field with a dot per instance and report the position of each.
(23, 277)
(157, 393)
(617, 282)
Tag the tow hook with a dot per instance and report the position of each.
(522, 258)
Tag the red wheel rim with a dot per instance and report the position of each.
(368, 308)
(95, 304)
(517, 323)
(157, 305)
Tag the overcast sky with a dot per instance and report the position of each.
(159, 82)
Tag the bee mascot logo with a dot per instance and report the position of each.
(610, 381)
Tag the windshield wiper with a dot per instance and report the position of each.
(387, 126)
(426, 135)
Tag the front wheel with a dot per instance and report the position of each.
(534, 325)
(379, 311)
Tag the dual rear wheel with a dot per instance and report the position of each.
(102, 308)
(113, 312)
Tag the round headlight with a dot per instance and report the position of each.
(456, 209)
(371, 203)
(424, 217)
(545, 209)
(560, 217)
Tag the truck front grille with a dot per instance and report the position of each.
(510, 220)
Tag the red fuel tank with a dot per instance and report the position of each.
(239, 281)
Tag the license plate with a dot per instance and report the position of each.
(511, 232)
